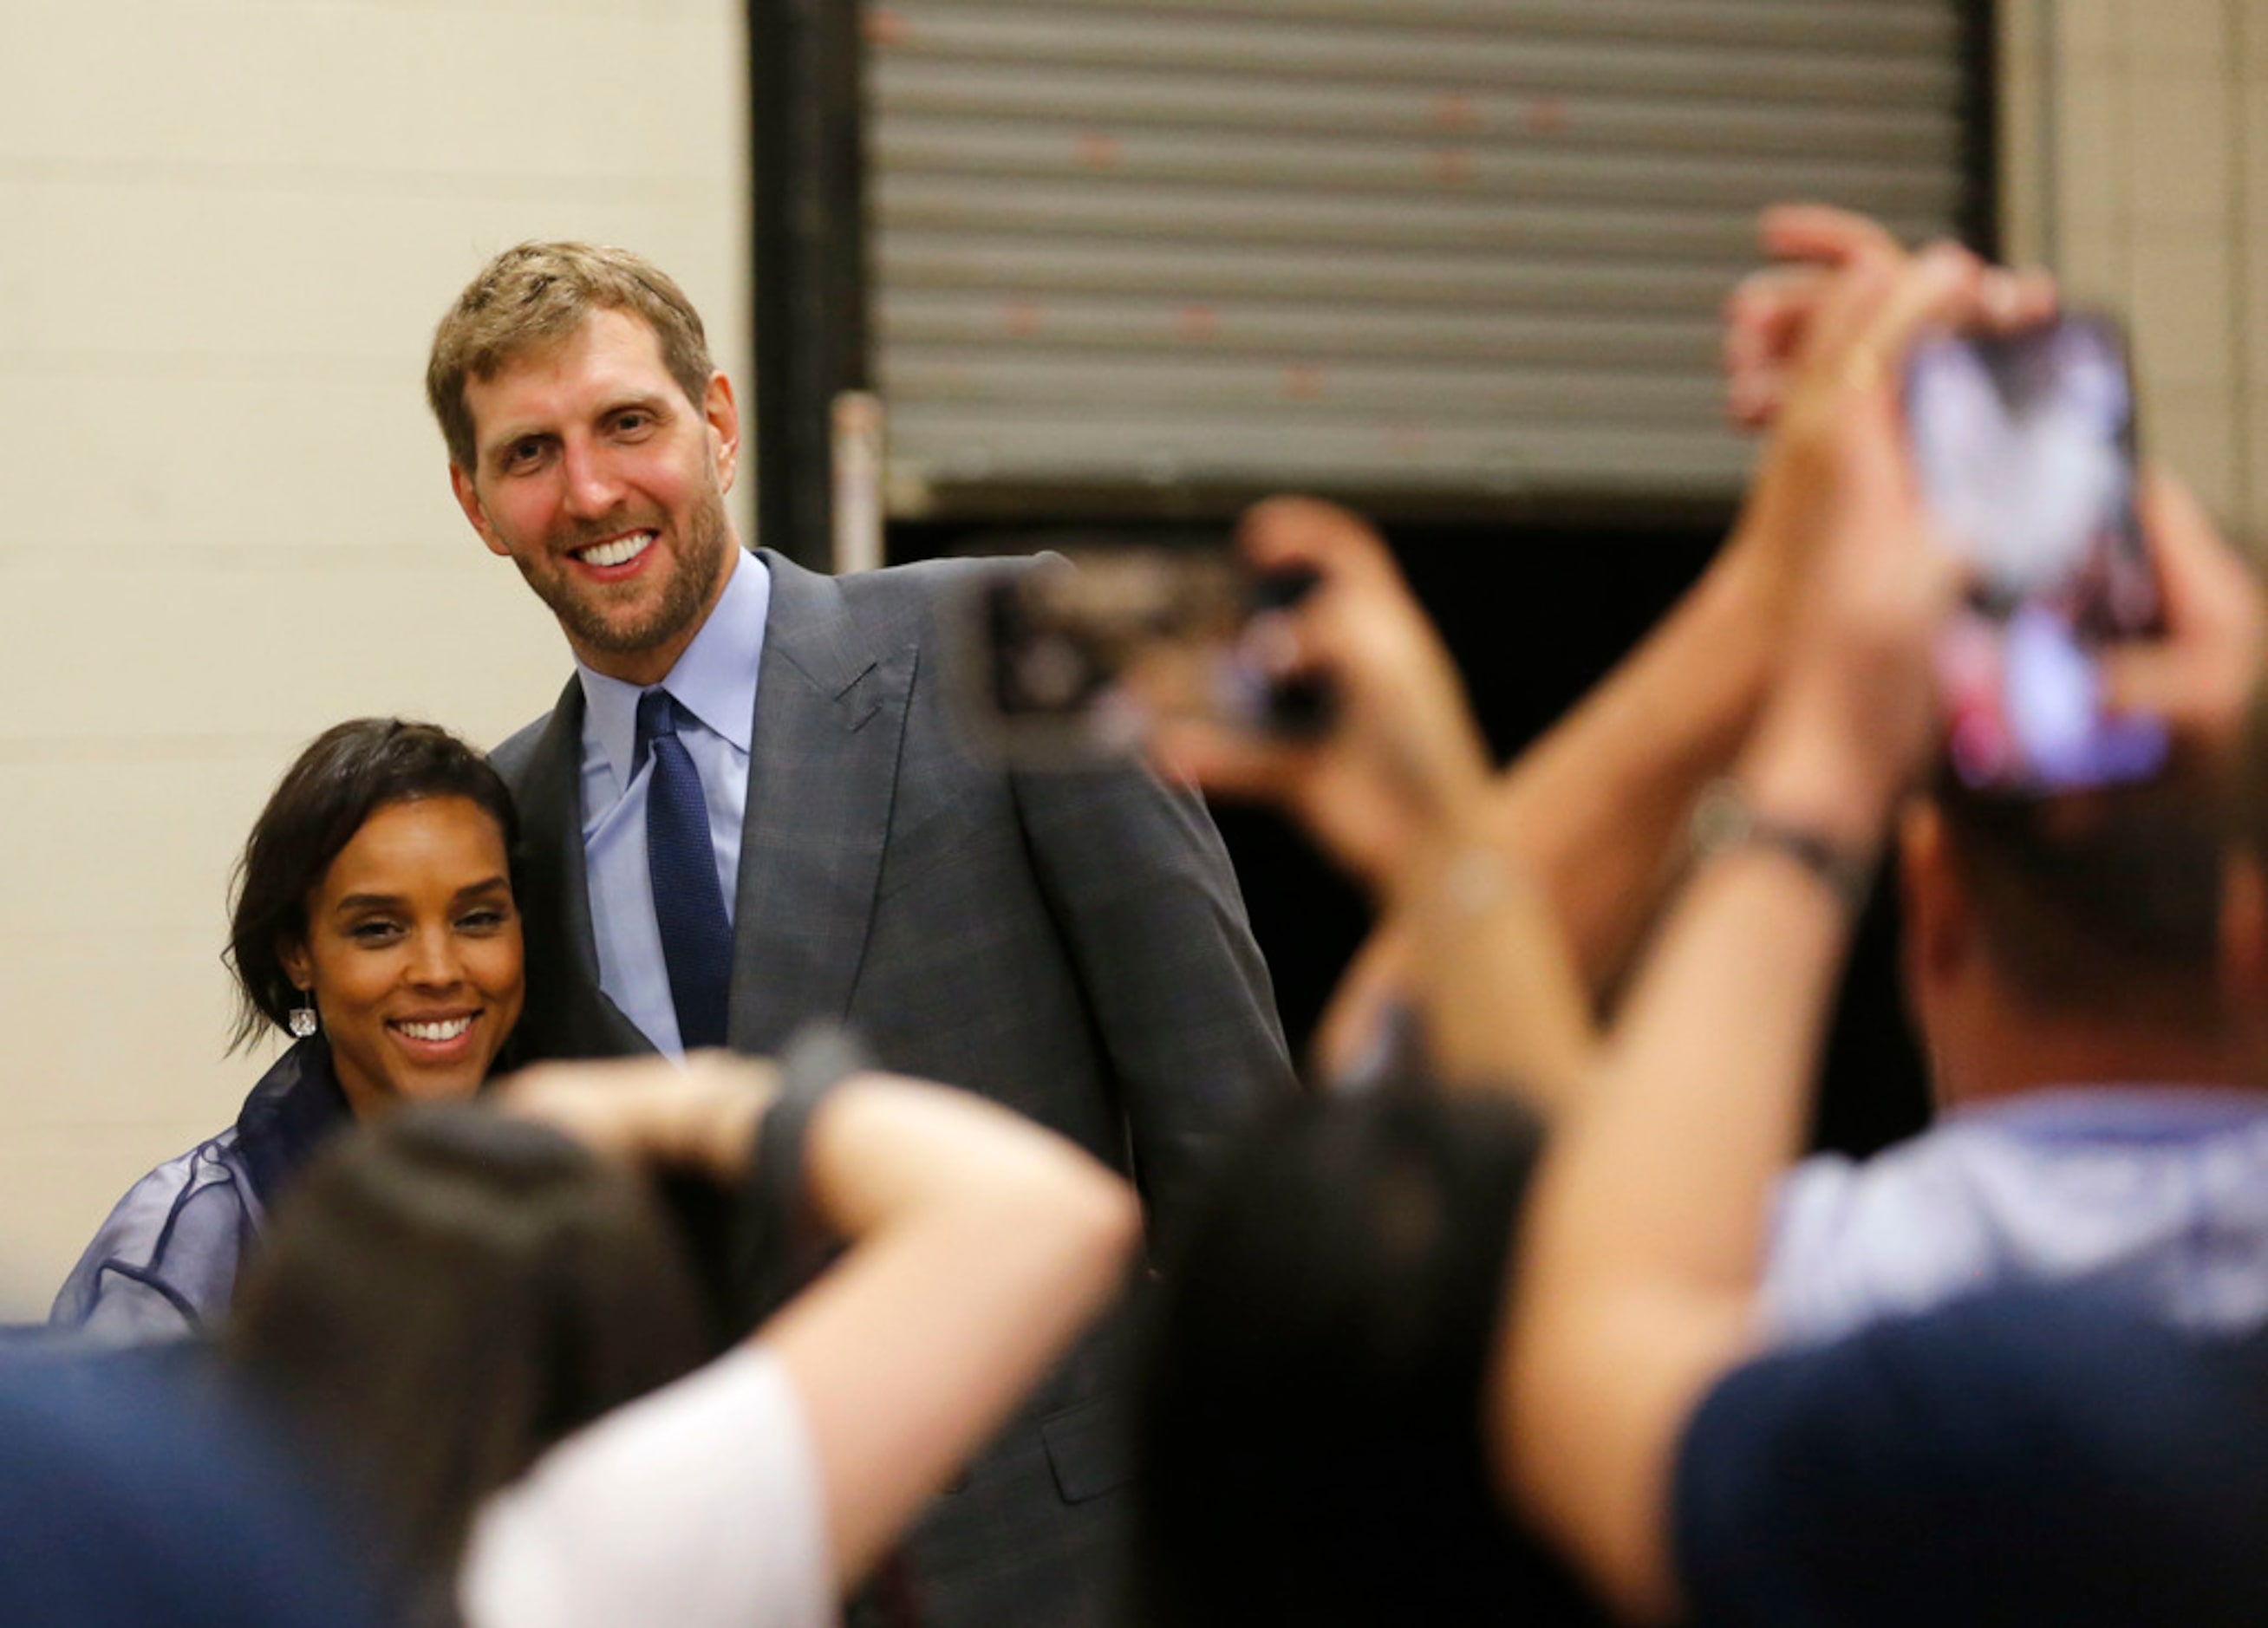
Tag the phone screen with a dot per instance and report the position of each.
(1078, 657)
(2025, 448)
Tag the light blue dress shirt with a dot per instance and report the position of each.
(2157, 1192)
(715, 681)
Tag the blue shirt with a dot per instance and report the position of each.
(715, 681)
(2018, 1457)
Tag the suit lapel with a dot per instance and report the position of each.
(567, 1013)
(830, 712)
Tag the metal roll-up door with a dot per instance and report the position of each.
(1410, 249)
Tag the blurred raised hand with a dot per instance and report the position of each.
(1855, 695)
(1399, 789)
(1401, 757)
(1769, 314)
(2201, 677)
(651, 1112)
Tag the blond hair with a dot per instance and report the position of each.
(536, 295)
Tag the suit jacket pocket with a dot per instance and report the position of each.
(1088, 1449)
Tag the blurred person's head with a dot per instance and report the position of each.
(592, 440)
(2065, 941)
(1311, 1423)
(446, 1293)
(133, 1490)
(376, 886)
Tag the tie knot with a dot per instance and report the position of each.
(657, 717)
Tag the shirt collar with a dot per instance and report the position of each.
(2103, 1111)
(296, 1105)
(715, 680)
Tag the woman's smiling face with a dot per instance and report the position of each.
(413, 954)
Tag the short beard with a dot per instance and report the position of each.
(700, 559)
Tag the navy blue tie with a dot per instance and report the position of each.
(688, 906)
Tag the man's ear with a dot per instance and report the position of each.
(2244, 938)
(1938, 926)
(723, 413)
(468, 499)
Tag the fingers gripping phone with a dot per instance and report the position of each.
(1072, 659)
(2024, 445)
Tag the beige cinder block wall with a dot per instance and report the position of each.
(2136, 164)
(226, 229)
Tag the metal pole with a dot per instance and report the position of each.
(810, 263)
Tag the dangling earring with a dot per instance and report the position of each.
(303, 1018)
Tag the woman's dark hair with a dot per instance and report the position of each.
(346, 774)
(444, 1293)
(1311, 1440)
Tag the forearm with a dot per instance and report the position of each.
(885, 1152)
(980, 1247)
(1503, 1004)
(1646, 1235)
(1598, 805)
(1595, 811)
(1706, 1088)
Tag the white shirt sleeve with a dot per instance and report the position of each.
(699, 1504)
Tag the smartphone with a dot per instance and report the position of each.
(2025, 447)
(1079, 655)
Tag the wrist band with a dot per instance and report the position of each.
(777, 1246)
(1724, 819)
(817, 1058)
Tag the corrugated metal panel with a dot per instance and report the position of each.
(1424, 245)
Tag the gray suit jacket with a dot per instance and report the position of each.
(1072, 945)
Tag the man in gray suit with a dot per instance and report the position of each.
(1070, 945)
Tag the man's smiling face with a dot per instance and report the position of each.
(606, 486)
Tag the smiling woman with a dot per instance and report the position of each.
(411, 953)
(374, 920)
